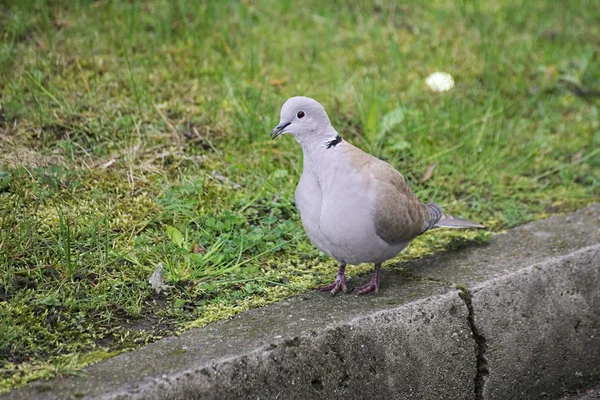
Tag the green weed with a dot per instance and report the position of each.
(135, 134)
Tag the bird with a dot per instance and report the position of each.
(353, 206)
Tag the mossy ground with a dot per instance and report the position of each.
(136, 133)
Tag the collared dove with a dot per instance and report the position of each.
(354, 207)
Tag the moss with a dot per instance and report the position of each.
(100, 159)
(178, 352)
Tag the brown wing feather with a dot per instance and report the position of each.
(398, 215)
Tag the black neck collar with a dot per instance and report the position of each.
(334, 142)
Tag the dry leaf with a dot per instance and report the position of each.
(278, 82)
(550, 76)
(428, 172)
(197, 249)
(107, 164)
(156, 280)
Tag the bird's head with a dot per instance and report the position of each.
(305, 119)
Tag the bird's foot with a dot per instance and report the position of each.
(372, 285)
(368, 288)
(336, 286)
(339, 283)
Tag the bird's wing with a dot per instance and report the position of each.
(397, 213)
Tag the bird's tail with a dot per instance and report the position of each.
(440, 220)
(448, 221)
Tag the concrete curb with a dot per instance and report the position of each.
(592, 393)
(516, 318)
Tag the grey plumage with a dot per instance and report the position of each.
(354, 207)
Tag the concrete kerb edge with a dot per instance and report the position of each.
(182, 385)
(472, 294)
(156, 388)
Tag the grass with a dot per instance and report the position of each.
(134, 134)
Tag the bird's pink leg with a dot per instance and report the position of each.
(339, 283)
(372, 285)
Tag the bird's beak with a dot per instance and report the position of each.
(279, 129)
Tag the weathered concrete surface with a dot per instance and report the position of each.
(305, 347)
(525, 325)
(592, 393)
(535, 295)
(541, 327)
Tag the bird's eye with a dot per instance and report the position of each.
(300, 114)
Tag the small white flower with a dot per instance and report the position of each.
(440, 81)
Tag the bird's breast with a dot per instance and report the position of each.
(308, 199)
(336, 211)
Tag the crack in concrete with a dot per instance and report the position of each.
(480, 340)
(480, 345)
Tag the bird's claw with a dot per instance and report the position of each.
(336, 286)
(368, 288)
